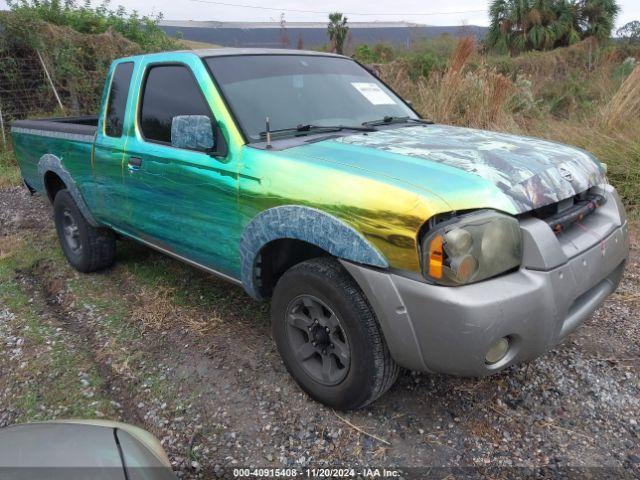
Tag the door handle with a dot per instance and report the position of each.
(134, 163)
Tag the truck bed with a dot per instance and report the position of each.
(70, 139)
(82, 125)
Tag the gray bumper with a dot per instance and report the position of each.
(562, 281)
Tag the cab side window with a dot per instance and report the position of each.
(169, 91)
(117, 101)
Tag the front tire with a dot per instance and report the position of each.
(86, 247)
(328, 336)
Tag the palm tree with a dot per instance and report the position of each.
(500, 26)
(519, 12)
(337, 31)
(519, 25)
(566, 27)
(509, 22)
(599, 17)
(540, 19)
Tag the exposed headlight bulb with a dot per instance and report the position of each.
(458, 242)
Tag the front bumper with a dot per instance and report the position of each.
(562, 281)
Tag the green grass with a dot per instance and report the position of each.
(98, 292)
(9, 171)
(185, 285)
(73, 351)
(46, 383)
(17, 301)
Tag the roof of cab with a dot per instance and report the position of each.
(226, 52)
(230, 52)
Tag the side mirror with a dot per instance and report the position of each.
(194, 132)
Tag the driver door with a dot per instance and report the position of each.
(182, 197)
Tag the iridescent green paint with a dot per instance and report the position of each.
(197, 206)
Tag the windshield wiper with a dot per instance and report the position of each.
(389, 119)
(304, 129)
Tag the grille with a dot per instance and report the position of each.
(562, 215)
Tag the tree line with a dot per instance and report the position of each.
(521, 25)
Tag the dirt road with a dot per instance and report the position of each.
(159, 344)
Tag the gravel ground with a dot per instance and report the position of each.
(190, 358)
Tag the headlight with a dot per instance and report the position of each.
(472, 247)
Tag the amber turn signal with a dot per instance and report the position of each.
(436, 257)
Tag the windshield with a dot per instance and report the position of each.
(297, 90)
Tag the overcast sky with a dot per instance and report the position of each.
(407, 10)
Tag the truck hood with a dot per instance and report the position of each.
(451, 162)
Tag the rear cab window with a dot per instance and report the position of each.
(117, 100)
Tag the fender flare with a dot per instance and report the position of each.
(51, 163)
(309, 225)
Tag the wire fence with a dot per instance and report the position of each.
(26, 90)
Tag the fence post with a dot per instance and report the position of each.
(55, 92)
(4, 137)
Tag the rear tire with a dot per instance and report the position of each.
(86, 248)
(328, 336)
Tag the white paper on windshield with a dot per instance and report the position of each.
(373, 93)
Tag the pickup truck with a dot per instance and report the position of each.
(382, 240)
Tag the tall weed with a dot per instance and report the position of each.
(458, 95)
(624, 107)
